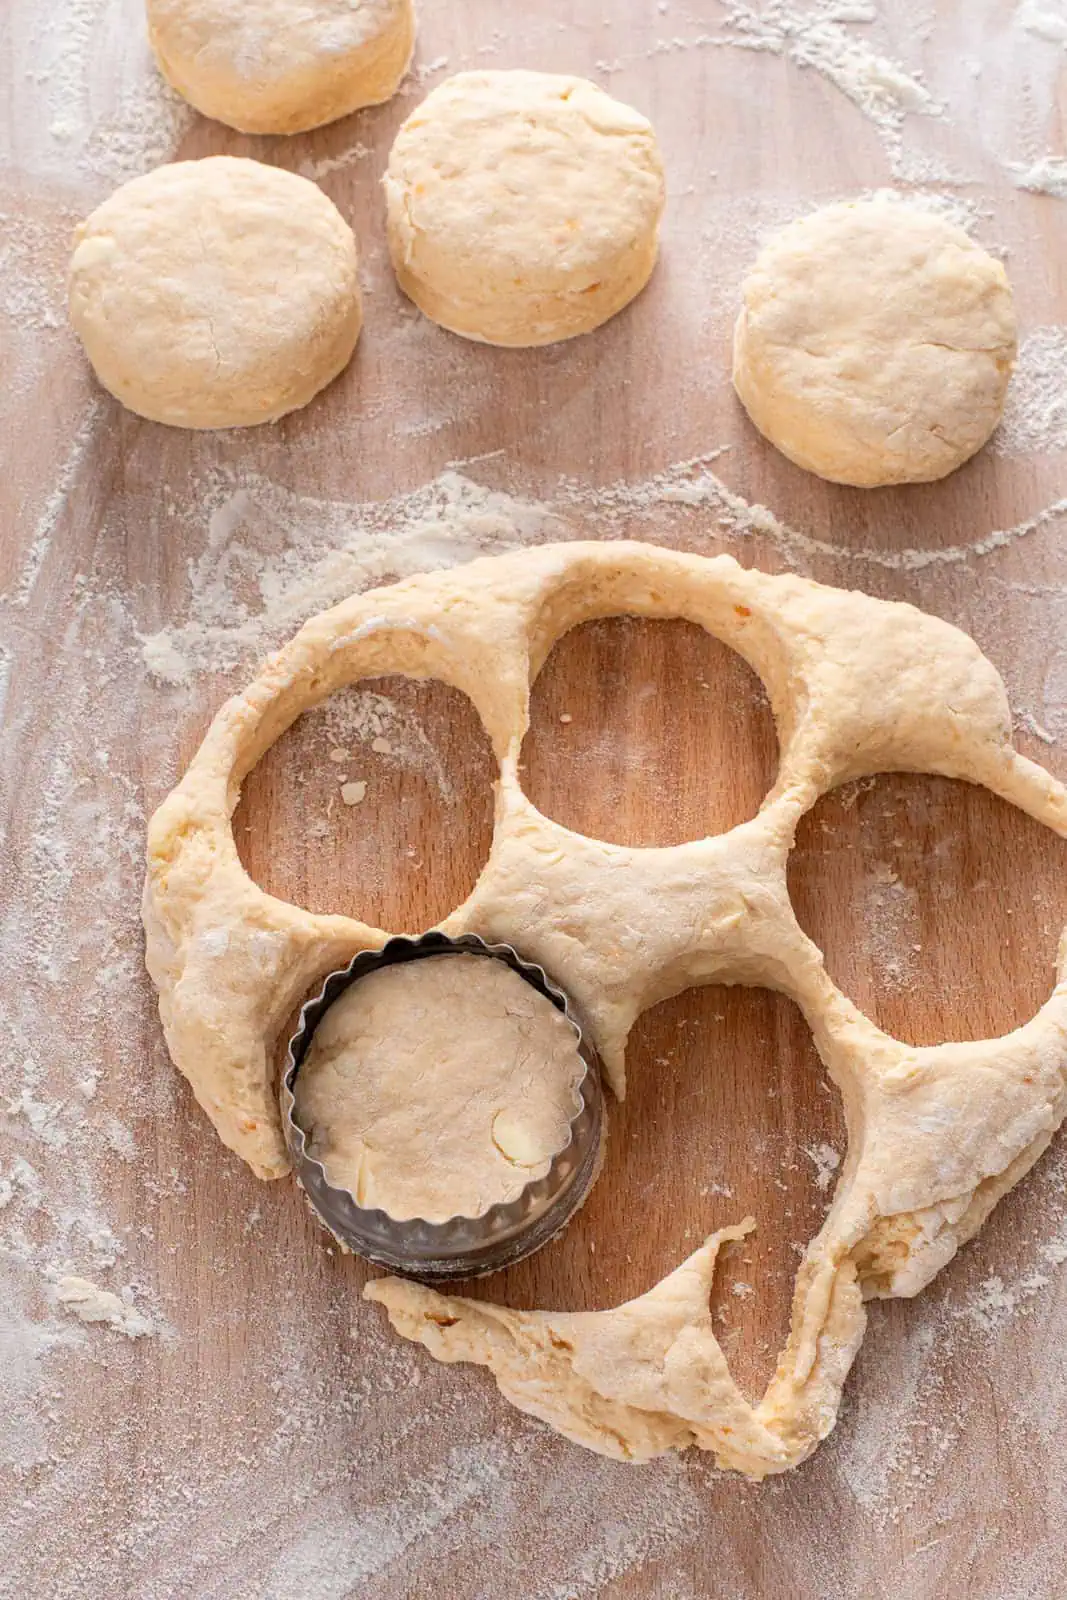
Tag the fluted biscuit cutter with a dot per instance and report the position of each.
(461, 1247)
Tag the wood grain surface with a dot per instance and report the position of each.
(273, 1442)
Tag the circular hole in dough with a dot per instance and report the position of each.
(376, 804)
(875, 343)
(937, 905)
(216, 293)
(648, 732)
(728, 1112)
(282, 66)
(523, 207)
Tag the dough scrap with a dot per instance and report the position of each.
(875, 343)
(282, 66)
(523, 207)
(439, 1088)
(216, 293)
(936, 1133)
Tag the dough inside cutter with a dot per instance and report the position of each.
(439, 1088)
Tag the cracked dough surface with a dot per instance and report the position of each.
(439, 1088)
(875, 343)
(523, 207)
(281, 66)
(216, 293)
(936, 1134)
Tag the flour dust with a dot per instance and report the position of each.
(276, 1438)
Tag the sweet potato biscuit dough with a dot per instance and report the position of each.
(523, 207)
(282, 66)
(875, 343)
(216, 294)
(439, 1088)
(936, 1133)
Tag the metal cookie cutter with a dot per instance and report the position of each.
(461, 1247)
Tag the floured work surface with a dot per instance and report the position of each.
(236, 1421)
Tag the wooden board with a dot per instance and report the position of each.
(272, 1439)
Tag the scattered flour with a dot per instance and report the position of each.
(888, 1425)
(817, 36)
(325, 1565)
(28, 1345)
(145, 131)
(89, 1303)
(1048, 175)
(5, 683)
(322, 168)
(1045, 19)
(107, 144)
(1055, 1250)
(694, 485)
(359, 716)
(1035, 419)
(49, 517)
(422, 71)
(615, 1541)
(1027, 720)
(994, 1303)
(273, 557)
(243, 599)
(965, 213)
(33, 260)
(826, 1161)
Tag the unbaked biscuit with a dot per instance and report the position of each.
(523, 208)
(875, 343)
(216, 293)
(282, 66)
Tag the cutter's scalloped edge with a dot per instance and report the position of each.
(502, 1222)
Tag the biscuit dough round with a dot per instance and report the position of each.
(282, 66)
(875, 343)
(439, 1088)
(523, 207)
(216, 293)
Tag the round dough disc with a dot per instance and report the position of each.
(875, 343)
(523, 207)
(439, 1088)
(282, 66)
(216, 293)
